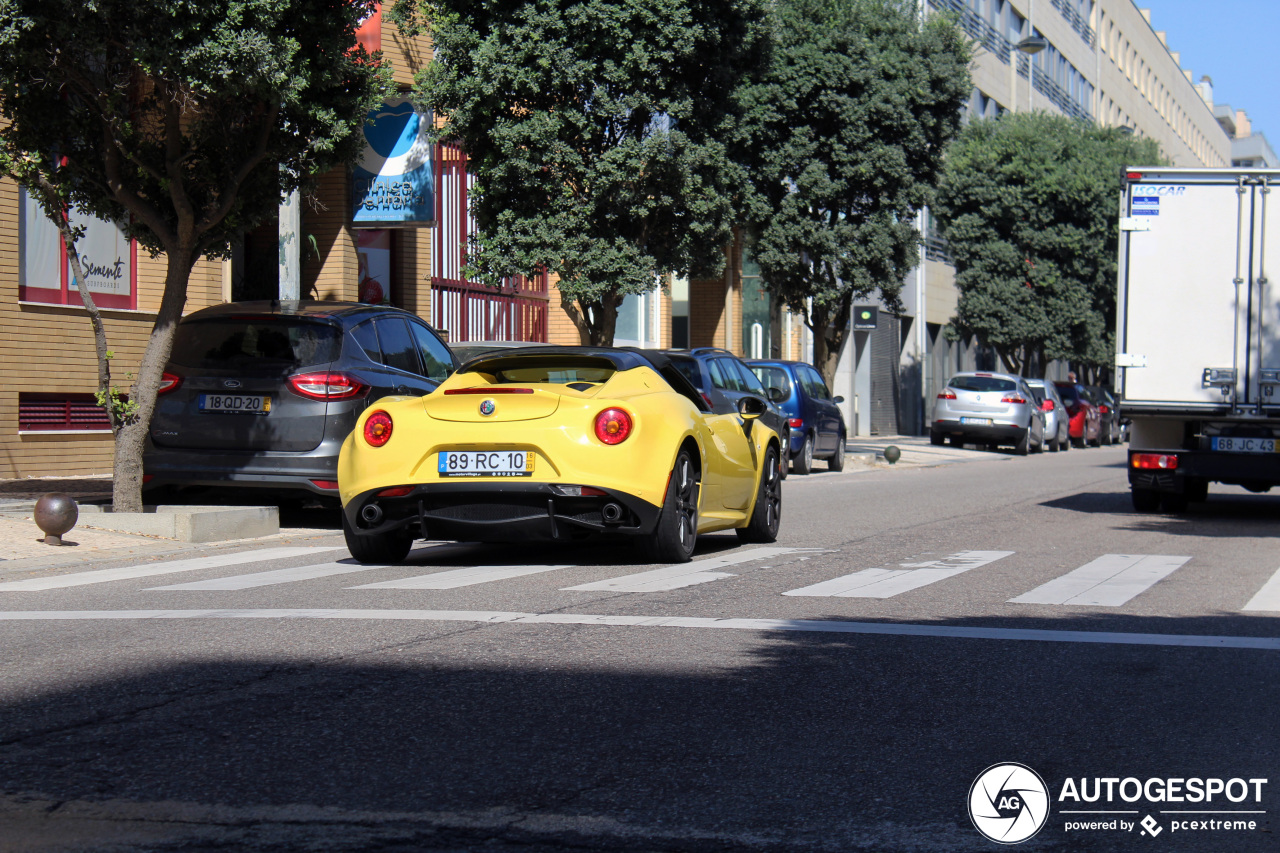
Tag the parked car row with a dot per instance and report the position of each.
(261, 395)
(1029, 415)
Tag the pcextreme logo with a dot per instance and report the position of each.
(1008, 803)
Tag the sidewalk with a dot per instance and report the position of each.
(22, 543)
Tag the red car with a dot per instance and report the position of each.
(1085, 426)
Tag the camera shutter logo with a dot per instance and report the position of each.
(1009, 803)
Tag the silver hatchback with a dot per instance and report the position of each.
(988, 408)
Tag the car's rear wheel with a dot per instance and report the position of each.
(836, 460)
(1024, 443)
(386, 548)
(677, 531)
(767, 515)
(803, 463)
(1054, 443)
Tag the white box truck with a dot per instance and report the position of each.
(1198, 332)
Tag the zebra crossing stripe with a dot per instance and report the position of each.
(277, 576)
(462, 577)
(686, 574)
(146, 570)
(899, 629)
(886, 583)
(1268, 598)
(1109, 581)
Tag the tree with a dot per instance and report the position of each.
(591, 129)
(1028, 204)
(843, 138)
(185, 122)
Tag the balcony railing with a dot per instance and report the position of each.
(1068, 10)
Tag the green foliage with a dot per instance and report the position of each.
(120, 409)
(1029, 205)
(592, 129)
(175, 118)
(843, 139)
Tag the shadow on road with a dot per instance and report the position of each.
(538, 737)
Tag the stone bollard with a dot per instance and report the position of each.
(56, 514)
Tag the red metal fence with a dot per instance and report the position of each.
(466, 310)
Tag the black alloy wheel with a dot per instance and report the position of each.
(677, 531)
(766, 517)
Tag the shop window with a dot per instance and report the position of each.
(44, 271)
(61, 413)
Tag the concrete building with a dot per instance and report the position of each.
(1249, 149)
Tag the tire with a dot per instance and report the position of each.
(803, 463)
(1145, 500)
(676, 533)
(1076, 442)
(1056, 444)
(835, 462)
(1024, 443)
(1065, 442)
(937, 439)
(957, 441)
(767, 514)
(1104, 440)
(389, 548)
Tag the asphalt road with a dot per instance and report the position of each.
(839, 692)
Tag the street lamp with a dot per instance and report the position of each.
(1031, 45)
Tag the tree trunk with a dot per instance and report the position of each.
(126, 492)
(596, 321)
(829, 334)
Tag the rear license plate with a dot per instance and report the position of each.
(485, 463)
(1232, 444)
(235, 404)
(976, 421)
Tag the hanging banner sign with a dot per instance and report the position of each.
(393, 183)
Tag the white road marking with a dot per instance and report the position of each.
(461, 577)
(685, 574)
(785, 625)
(1268, 598)
(1109, 581)
(277, 576)
(886, 583)
(147, 570)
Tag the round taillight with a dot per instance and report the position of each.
(377, 429)
(613, 426)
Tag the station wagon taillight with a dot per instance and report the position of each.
(377, 429)
(947, 395)
(327, 385)
(1047, 405)
(168, 382)
(1013, 398)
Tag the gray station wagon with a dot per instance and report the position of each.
(261, 395)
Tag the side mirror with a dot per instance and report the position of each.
(752, 407)
(838, 400)
(776, 394)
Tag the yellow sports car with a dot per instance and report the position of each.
(559, 443)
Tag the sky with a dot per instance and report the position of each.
(1234, 42)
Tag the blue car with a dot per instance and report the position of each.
(817, 425)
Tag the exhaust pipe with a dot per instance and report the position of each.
(371, 514)
(611, 513)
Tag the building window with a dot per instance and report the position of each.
(44, 271)
(61, 413)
